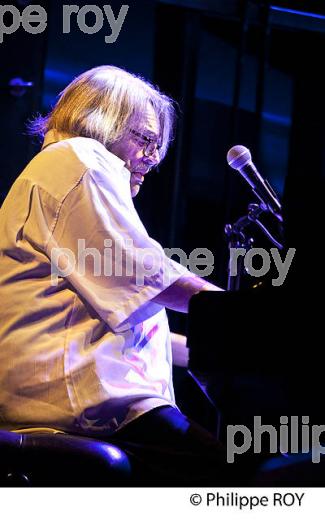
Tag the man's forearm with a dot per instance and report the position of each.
(177, 296)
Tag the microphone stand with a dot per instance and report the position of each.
(237, 237)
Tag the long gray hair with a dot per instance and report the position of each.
(104, 103)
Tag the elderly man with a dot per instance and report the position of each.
(84, 340)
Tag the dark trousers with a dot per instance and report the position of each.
(169, 449)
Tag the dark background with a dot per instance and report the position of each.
(243, 72)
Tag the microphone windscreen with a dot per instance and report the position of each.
(238, 156)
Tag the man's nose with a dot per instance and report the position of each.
(153, 159)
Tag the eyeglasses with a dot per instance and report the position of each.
(149, 145)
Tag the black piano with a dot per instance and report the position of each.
(259, 352)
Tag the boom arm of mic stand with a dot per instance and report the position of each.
(238, 239)
(254, 212)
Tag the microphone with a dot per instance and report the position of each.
(239, 158)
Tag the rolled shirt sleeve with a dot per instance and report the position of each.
(101, 247)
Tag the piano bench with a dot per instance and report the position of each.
(46, 457)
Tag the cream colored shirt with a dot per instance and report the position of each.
(82, 346)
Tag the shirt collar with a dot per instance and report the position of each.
(53, 136)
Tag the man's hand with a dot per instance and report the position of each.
(180, 350)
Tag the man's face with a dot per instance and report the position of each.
(131, 150)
